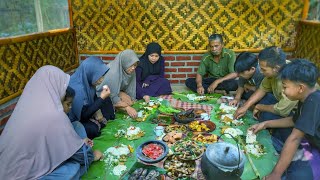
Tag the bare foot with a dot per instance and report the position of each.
(97, 155)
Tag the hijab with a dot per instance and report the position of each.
(117, 79)
(147, 67)
(89, 71)
(39, 135)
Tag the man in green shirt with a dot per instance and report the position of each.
(218, 65)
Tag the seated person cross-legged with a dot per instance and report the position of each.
(218, 64)
(150, 74)
(121, 79)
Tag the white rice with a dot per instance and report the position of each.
(117, 170)
(131, 131)
(234, 132)
(251, 137)
(226, 108)
(118, 151)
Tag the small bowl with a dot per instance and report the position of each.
(186, 120)
(146, 159)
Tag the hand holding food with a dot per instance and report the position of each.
(105, 87)
(240, 112)
(131, 112)
(105, 92)
(257, 127)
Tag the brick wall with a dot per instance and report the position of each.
(178, 67)
(6, 110)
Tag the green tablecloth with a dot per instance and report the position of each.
(98, 170)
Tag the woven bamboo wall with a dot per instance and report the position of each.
(184, 25)
(20, 60)
(308, 41)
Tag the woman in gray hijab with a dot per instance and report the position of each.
(39, 140)
(121, 79)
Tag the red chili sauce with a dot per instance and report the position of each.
(152, 151)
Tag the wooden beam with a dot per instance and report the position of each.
(29, 37)
(310, 22)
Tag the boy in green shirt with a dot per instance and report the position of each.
(218, 64)
(271, 59)
(272, 103)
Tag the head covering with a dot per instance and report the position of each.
(89, 71)
(39, 135)
(147, 67)
(117, 79)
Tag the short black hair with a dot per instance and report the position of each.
(301, 71)
(245, 61)
(70, 93)
(273, 55)
(213, 37)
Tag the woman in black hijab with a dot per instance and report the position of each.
(150, 74)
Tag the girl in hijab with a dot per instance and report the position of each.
(150, 74)
(39, 140)
(92, 111)
(121, 79)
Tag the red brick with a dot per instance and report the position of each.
(178, 64)
(183, 58)
(178, 76)
(83, 57)
(193, 63)
(196, 57)
(184, 69)
(167, 76)
(170, 58)
(182, 81)
(174, 81)
(191, 75)
(4, 120)
(107, 58)
(166, 64)
(7, 109)
(170, 70)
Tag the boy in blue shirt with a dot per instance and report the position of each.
(299, 79)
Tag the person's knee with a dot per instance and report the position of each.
(191, 84)
(187, 82)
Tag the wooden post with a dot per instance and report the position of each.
(70, 13)
(305, 10)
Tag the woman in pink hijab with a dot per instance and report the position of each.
(39, 140)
